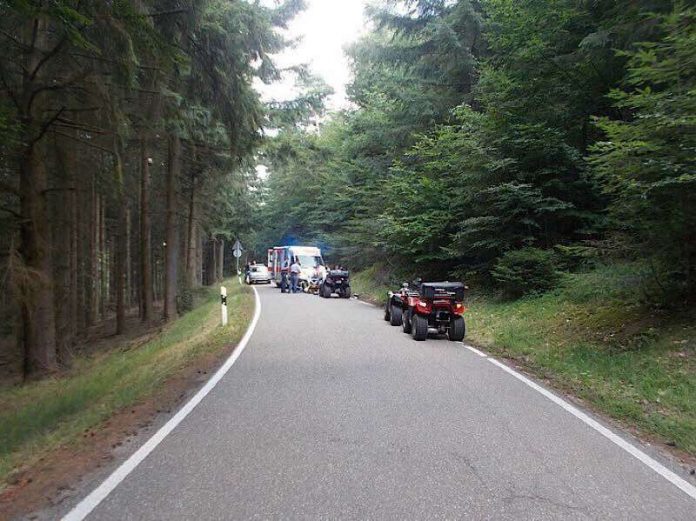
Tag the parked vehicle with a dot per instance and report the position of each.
(435, 305)
(336, 281)
(281, 257)
(257, 274)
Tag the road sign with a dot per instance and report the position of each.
(237, 249)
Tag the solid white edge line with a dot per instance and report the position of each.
(663, 471)
(474, 350)
(88, 504)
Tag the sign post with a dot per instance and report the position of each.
(237, 252)
(223, 304)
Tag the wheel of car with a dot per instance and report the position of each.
(395, 317)
(406, 322)
(457, 329)
(419, 328)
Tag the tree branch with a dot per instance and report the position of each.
(167, 13)
(46, 125)
(6, 187)
(83, 142)
(50, 54)
(11, 212)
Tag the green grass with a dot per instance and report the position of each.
(594, 338)
(40, 416)
(371, 285)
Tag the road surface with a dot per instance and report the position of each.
(331, 413)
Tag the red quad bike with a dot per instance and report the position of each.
(438, 305)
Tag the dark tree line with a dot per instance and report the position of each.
(127, 130)
(503, 140)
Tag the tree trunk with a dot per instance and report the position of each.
(192, 237)
(199, 257)
(74, 255)
(211, 272)
(221, 260)
(93, 278)
(36, 285)
(103, 260)
(127, 266)
(172, 229)
(145, 235)
(61, 218)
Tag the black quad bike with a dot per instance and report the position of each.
(436, 305)
(336, 281)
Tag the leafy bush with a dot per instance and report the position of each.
(526, 271)
(647, 161)
(574, 258)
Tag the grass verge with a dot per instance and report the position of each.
(371, 285)
(39, 417)
(595, 338)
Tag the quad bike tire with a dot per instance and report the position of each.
(406, 324)
(395, 315)
(457, 329)
(346, 293)
(325, 291)
(387, 312)
(419, 328)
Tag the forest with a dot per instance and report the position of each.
(543, 152)
(496, 141)
(127, 135)
(505, 142)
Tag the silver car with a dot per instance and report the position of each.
(258, 273)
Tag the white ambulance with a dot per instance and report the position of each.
(281, 257)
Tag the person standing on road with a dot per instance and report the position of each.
(295, 271)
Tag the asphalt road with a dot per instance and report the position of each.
(331, 413)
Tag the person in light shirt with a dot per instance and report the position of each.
(295, 270)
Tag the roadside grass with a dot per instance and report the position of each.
(40, 416)
(371, 285)
(595, 338)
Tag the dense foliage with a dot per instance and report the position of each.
(488, 136)
(127, 133)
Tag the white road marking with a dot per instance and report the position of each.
(663, 471)
(474, 350)
(88, 504)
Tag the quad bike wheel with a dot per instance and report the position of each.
(325, 291)
(406, 324)
(387, 312)
(419, 328)
(395, 316)
(457, 329)
(346, 293)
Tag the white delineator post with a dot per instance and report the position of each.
(223, 304)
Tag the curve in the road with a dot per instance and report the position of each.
(85, 507)
(309, 392)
